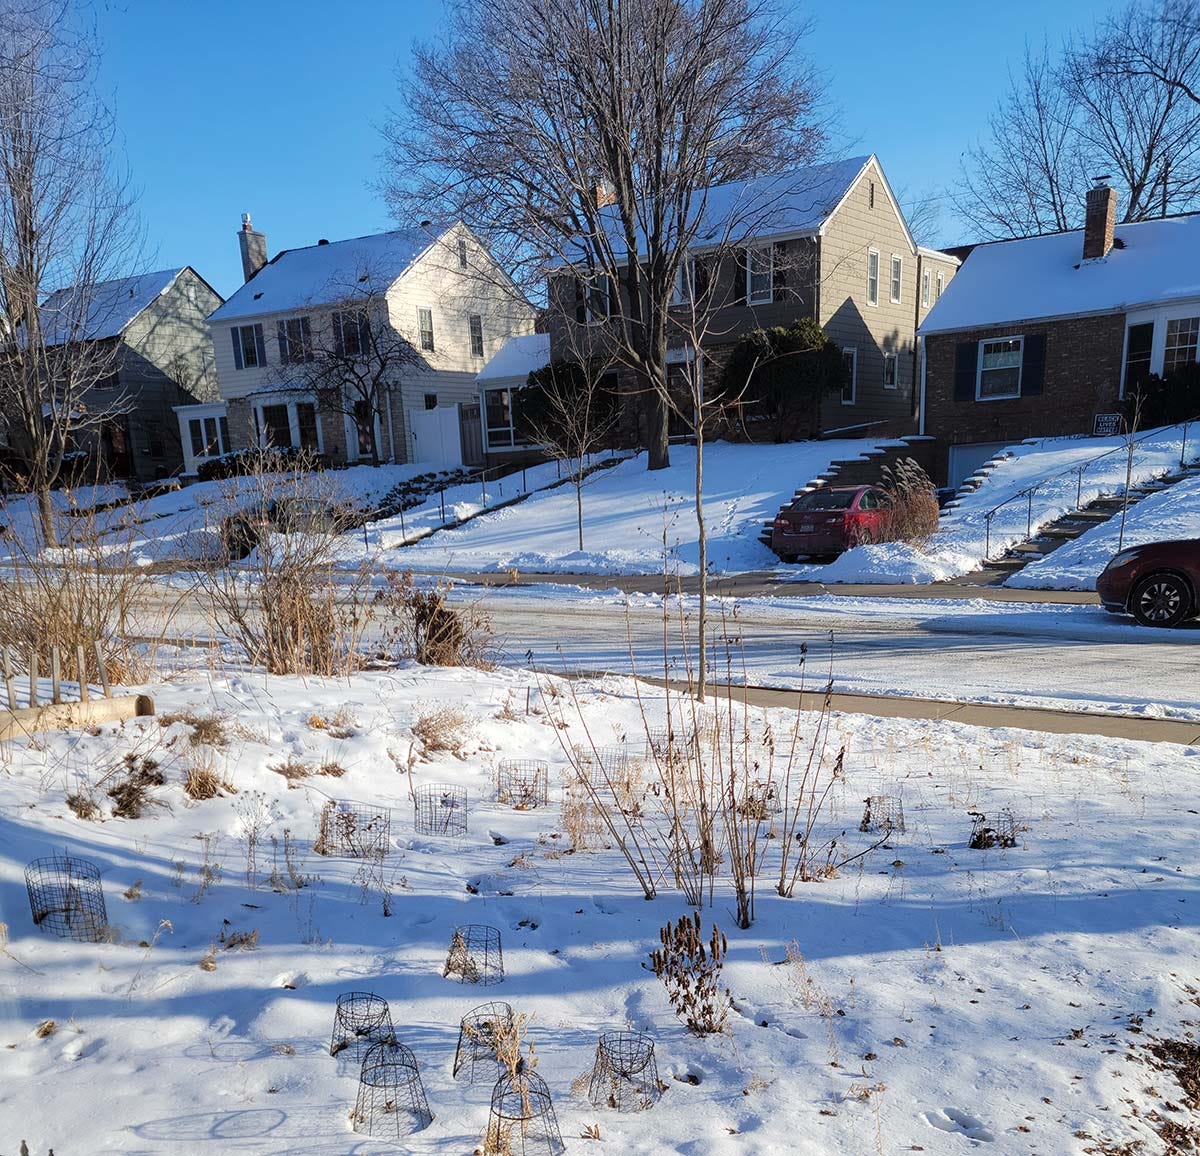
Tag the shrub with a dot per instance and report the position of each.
(202, 777)
(442, 728)
(912, 511)
(424, 628)
(239, 463)
(1161, 401)
(131, 795)
(690, 970)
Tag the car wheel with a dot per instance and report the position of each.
(1161, 600)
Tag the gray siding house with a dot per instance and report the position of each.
(163, 359)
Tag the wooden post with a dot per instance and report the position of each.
(103, 672)
(8, 680)
(33, 677)
(83, 679)
(55, 675)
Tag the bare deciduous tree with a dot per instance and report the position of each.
(586, 133)
(1090, 109)
(65, 226)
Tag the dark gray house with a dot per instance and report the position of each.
(164, 358)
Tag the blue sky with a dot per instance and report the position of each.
(274, 106)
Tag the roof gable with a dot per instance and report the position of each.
(872, 163)
(1035, 278)
(110, 309)
(324, 274)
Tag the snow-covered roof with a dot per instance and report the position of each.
(518, 357)
(109, 310)
(795, 202)
(323, 274)
(1043, 277)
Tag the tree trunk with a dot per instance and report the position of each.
(579, 504)
(657, 445)
(45, 503)
(702, 541)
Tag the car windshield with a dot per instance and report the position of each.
(825, 500)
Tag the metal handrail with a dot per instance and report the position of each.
(1079, 470)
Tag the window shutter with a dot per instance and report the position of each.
(779, 271)
(1033, 365)
(966, 365)
(236, 334)
(281, 333)
(741, 265)
(260, 345)
(339, 344)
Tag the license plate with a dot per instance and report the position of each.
(805, 528)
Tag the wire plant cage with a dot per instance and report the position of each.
(361, 1021)
(521, 1121)
(391, 1101)
(523, 784)
(440, 809)
(478, 1032)
(670, 744)
(66, 898)
(884, 814)
(475, 955)
(998, 831)
(625, 1074)
(760, 799)
(354, 830)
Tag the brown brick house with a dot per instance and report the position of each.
(1038, 336)
(833, 245)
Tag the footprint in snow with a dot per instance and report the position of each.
(957, 1121)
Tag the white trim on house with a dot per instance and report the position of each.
(751, 250)
(214, 411)
(871, 161)
(926, 282)
(291, 400)
(979, 396)
(1159, 316)
(872, 300)
(896, 279)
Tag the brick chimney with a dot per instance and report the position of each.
(603, 194)
(1101, 218)
(254, 248)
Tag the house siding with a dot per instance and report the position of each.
(1082, 377)
(873, 330)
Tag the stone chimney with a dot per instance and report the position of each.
(254, 248)
(1101, 218)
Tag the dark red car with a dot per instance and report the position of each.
(1158, 583)
(829, 520)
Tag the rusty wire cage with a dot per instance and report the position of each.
(523, 784)
(522, 1120)
(440, 809)
(883, 814)
(66, 898)
(625, 1074)
(998, 831)
(478, 1032)
(475, 955)
(391, 1101)
(354, 830)
(361, 1021)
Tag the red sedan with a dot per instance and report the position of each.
(1158, 583)
(829, 520)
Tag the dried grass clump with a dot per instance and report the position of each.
(132, 794)
(205, 729)
(297, 770)
(45, 1029)
(424, 628)
(340, 725)
(84, 806)
(203, 777)
(912, 510)
(232, 940)
(442, 729)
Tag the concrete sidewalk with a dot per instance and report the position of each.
(767, 583)
(1058, 722)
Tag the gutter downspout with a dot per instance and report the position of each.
(391, 429)
(921, 403)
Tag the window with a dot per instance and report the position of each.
(498, 416)
(462, 252)
(274, 427)
(600, 300)
(999, 368)
(940, 282)
(295, 340)
(889, 371)
(208, 436)
(1138, 344)
(685, 278)
(872, 277)
(155, 442)
(288, 424)
(351, 333)
(1181, 343)
(425, 326)
(248, 350)
(759, 279)
(897, 277)
(925, 289)
(431, 401)
(306, 422)
(850, 388)
(475, 325)
(364, 426)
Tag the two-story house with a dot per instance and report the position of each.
(1041, 336)
(829, 243)
(433, 297)
(162, 358)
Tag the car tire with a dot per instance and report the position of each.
(1162, 600)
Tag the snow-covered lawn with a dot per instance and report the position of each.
(1174, 513)
(942, 998)
(967, 535)
(637, 522)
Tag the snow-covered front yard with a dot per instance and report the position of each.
(928, 997)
